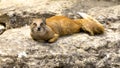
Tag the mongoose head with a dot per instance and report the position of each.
(39, 30)
(38, 25)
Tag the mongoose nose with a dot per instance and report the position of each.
(38, 28)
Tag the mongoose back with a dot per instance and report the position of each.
(51, 28)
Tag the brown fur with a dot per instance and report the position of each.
(90, 26)
(52, 28)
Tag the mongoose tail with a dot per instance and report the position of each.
(90, 24)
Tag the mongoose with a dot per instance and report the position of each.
(51, 28)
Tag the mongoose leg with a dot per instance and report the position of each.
(54, 38)
(90, 32)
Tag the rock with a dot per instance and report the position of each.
(63, 53)
(2, 29)
(19, 50)
(105, 14)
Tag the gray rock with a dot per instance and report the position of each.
(19, 50)
(77, 50)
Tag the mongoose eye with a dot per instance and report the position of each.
(34, 24)
(42, 24)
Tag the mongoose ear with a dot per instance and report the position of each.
(44, 20)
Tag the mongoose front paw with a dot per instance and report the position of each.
(54, 38)
(51, 40)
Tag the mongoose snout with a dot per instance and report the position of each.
(38, 28)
